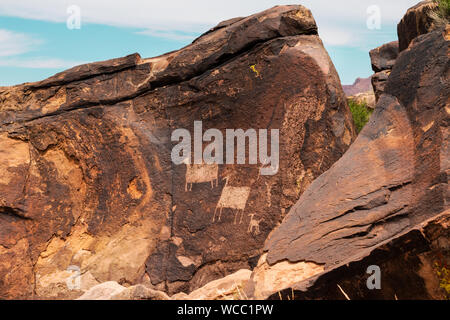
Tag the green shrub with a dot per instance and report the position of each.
(444, 8)
(443, 274)
(361, 114)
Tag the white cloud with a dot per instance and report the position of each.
(13, 43)
(179, 19)
(38, 63)
(194, 15)
(168, 34)
(337, 37)
(167, 18)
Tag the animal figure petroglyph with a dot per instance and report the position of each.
(232, 198)
(201, 173)
(253, 226)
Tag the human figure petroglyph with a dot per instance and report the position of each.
(232, 198)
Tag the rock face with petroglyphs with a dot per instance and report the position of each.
(88, 190)
(383, 204)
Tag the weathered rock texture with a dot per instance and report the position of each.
(386, 197)
(86, 174)
(383, 59)
(415, 22)
(412, 268)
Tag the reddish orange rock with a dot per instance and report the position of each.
(87, 179)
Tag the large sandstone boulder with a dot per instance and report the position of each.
(413, 266)
(231, 287)
(379, 81)
(384, 203)
(88, 190)
(383, 59)
(103, 291)
(111, 290)
(415, 22)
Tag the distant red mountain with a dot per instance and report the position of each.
(360, 85)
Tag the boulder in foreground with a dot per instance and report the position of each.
(373, 205)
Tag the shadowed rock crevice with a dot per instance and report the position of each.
(13, 212)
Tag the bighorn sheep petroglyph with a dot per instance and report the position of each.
(253, 226)
(232, 198)
(201, 173)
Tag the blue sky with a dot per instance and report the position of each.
(36, 43)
